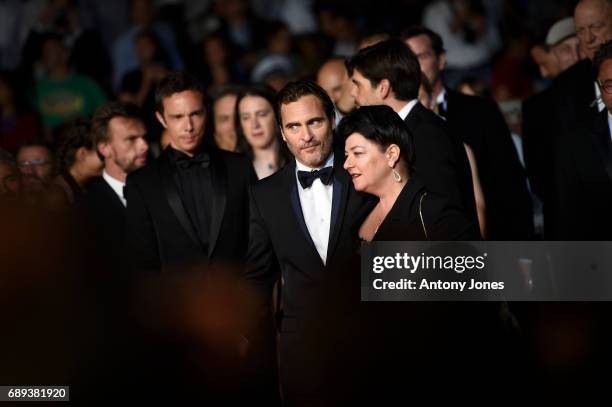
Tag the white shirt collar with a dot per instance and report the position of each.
(600, 103)
(116, 185)
(301, 167)
(405, 111)
(441, 98)
(610, 122)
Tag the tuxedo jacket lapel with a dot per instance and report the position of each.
(174, 199)
(340, 198)
(294, 198)
(218, 176)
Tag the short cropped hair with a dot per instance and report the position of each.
(381, 125)
(294, 91)
(103, 116)
(74, 135)
(414, 31)
(176, 82)
(391, 60)
(603, 53)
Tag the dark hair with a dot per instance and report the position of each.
(293, 91)
(242, 145)
(391, 60)
(226, 90)
(160, 55)
(381, 125)
(176, 82)
(74, 135)
(434, 38)
(6, 157)
(103, 116)
(603, 53)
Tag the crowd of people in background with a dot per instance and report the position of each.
(274, 136)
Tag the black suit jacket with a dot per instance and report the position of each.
(440, 159)
(574, 94)
(106, 214)
(161, 235)
(584, 181)
(440, 220)
(280, 246)
(479, 123)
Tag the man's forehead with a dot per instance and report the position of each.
(30, 151)
(126, 124)
(592, 10)
(305, 107)
(183, 99)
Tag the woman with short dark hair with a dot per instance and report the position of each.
(380, 159)
(78, 158)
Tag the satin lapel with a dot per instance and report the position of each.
(297, 211)
(601, 139)
(174, 200)
(218, 174)
(339, 201)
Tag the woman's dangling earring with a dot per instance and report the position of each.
(396, 175)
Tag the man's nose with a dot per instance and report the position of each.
(27, 169)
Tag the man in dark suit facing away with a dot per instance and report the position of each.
(479, 123)
(188, 207)
(388, 73)
(119, 133)
(305, 218)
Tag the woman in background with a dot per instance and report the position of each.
(258, 132)
(78, 158)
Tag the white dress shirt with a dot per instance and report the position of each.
(316, 202)
(610, 123)
(405, 111)
(116, 185)
(600, 103)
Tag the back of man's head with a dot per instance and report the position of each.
(391, 60)
(437, 45)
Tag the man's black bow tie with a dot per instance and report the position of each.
(306, 178)
(200, 159)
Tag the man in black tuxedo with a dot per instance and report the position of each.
(304, 218)
(479, 123)
(119, 133)
(188, 207)
(388, 73)
(584, 175)
(552, 117)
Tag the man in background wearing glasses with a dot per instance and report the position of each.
(35, 164)
(584, 175)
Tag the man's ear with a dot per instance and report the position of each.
(384, 89)
(160, 118)
(282, 133)
(103, 149)
(442, 62)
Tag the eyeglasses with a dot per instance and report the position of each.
(32, 163)
(606, 86)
